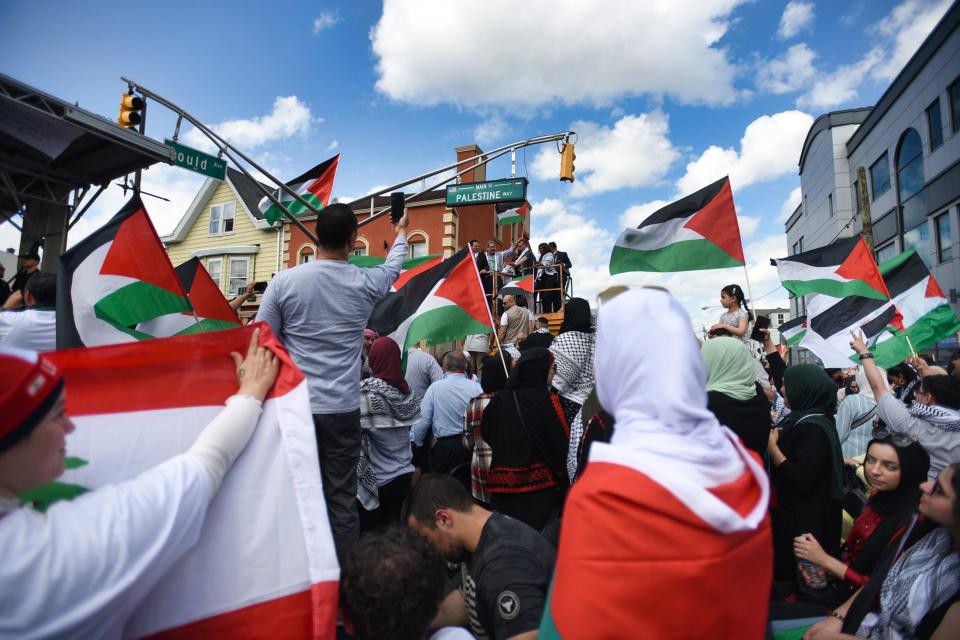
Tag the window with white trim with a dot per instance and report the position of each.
(239, 268)
(215, 269)
(306, 255)
(416, 246)
(222, 218)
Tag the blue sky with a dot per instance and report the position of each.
(666, 97)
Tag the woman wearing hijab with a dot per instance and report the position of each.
(527, 434)
(733, 394)
(807, 468)
(665, 534)
(573, 351)
(387, 412)
(895, 469)
(855, 418)
(493, 378)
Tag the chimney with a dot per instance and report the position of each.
(479, 174)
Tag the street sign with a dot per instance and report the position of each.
(467, 193)
(198, 161)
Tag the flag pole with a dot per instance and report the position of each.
(496, 338)
(910, 344)
(746, 276)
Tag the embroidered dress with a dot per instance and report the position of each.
(733, 320)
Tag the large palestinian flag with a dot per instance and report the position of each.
(792, 331)
(264, 565)
(411, 266)
(315, 186)
(832, 320)
(512, 212)
(444, 303)
(699, 231)
(844, 268)
(118, 285)
(927, 314)
(211, 308)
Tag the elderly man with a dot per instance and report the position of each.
(441, 415)
(514, 325)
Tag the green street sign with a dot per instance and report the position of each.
(467, 193)
(198, 161)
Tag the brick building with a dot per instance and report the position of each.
(434, 228)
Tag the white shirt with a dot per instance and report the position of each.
(33, 329)
(81, 569)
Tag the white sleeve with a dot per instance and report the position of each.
(8, 319)
(222, 441)
(503, 319)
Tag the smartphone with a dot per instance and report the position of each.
(259, 287)
(763, 322)
(396, 206)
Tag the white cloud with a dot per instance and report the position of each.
(634, 152)
(789, 72)
(796, 17)
(769, 148)
(289, 117)
(324, 21)
(842, 85)
(908, 25)
(492, 129)
(636, 214)
(333, 145)
(789, 205)
(491, 53)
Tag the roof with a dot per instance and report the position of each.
(77, 148)
(248, 192)
(944, 29)
(830, 120)
(362, 205)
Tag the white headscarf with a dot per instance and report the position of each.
(651, 377)
(864, 386)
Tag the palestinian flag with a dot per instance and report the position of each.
(699, 231)
(118, 285)
(792, 331)
(212, 309)
(512, 212)
(844, 268)
(519, 286)
(832, 320)
(411, 266)
(927, 314)
(264, 564)
(443, 303)
(315, 186)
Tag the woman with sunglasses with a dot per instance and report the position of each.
(918, 594)
(933, 419)
(895, 465)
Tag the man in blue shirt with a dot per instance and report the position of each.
(441, 415)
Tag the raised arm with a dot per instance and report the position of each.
(874, 377)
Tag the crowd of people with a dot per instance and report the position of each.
(618, 479)
(550, 267)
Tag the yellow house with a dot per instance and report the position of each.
(224, 228)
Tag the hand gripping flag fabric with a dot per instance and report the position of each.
(411, 266)
(443, 303)
(844, 268)
(117, 285)
(212, 310)
(315, 186)
(792, 331)
(512, 212)
(265, 564)
(832, 320)
(927, 314)
(697, 232)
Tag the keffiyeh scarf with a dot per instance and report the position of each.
(382, 406)
(573, 352)
(940, 417)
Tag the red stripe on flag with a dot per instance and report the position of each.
(933, 289)
(184, 371)
(717, 222)
(860, 265)
(405, 276)
(322, 187)
(208, 300)
(462, 287)
(137, 253)
(309, 614)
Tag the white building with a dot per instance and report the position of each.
(909, 152)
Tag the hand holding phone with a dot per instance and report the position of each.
(397, 206)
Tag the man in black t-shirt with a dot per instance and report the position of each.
(506, 565)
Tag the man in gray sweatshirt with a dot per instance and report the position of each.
(319, 311)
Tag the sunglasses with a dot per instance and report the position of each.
(896, 438)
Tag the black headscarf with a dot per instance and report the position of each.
(576, 316)
(492, 376)
(531, 370)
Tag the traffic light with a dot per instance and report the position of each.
(567, 156)
(130, 108)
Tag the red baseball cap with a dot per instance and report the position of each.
(30, 384)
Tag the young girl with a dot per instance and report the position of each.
(736, 320)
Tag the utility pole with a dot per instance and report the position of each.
(865, 222)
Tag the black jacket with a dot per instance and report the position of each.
(749, 419)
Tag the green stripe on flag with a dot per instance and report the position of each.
(796, 338)
(42, 497)
(936, 325)
(833, 288)
(138, 302)
(295, 207)
(444, 324)
(686, 255)
(208, 324)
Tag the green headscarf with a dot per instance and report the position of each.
(730, 368)
(811, 392)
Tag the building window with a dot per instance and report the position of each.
(909, 165)
(416, 246)
(944, 238)
(239, 268)
(221, 218)
(306, 255)
(919, 239)
(953, 92)
(880, 176)
(798, 246)
(215, 269)
(886, 252)
(935, 124)
(830, 203)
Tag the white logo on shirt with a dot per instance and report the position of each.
(508, 605)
